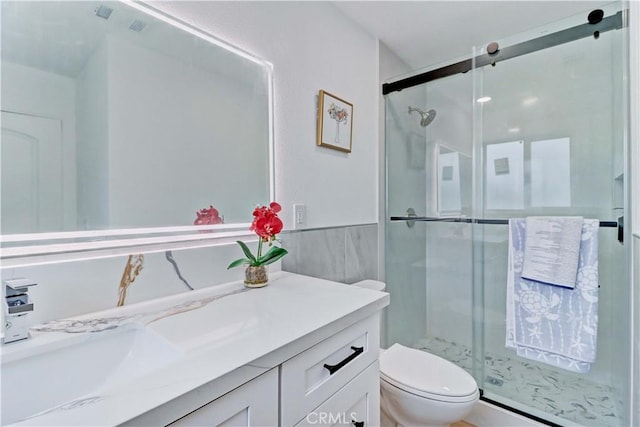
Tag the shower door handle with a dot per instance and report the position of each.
(335, 368)
(411, 213)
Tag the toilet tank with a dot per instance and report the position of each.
(377, 285)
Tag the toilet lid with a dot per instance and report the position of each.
(425, 374)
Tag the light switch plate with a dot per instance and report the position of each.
(299, 216)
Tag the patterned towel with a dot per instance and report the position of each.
(549, 324)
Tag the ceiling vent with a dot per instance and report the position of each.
(137, 25)
(103, 11)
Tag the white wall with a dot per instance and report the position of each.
(312, 46)
(634, 61)
(30, 91)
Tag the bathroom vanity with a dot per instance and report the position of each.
(300, 351)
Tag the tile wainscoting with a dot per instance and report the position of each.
(635, 415)
(344, 254)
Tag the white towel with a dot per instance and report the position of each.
(552, 249)
(549, 324)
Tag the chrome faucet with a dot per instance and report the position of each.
(17, 305)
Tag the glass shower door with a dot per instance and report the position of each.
(540, 134)
(429, 261)
(548, 139)
(549, 129)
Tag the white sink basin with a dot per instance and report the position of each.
(37, 378)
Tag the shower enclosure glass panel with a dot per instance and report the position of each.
(428, 264)
(549, 142)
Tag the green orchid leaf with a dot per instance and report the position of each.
(271, 252)
(238, 262)
(272, 256)
(274, 259)
(247, 252)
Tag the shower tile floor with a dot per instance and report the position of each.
(564, 394)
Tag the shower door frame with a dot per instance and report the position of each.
(612, 22)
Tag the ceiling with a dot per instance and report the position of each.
(60, 37)
(426, 33)
(422, 33)
(56, 37)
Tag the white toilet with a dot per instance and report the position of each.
(420, 389)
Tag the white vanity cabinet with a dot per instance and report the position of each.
(334, 382)
(301, 351)
(357, 404)
(322, 384)
(254, 404)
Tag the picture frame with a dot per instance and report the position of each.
(335, 122)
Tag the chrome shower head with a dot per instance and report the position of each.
(425, 118)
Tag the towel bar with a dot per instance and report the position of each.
(609, 224)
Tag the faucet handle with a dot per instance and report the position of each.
(17, 286)
(16, 298)
(17, 306)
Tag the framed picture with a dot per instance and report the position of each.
(335, 122)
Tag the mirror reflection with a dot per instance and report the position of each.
(113, 118)
(454, 172)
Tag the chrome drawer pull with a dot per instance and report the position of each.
(335, 368)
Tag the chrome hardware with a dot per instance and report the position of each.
(411, 213)
(17, 305)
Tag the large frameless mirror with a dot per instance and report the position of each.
(118, 117)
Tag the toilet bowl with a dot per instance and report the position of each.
(420, 389)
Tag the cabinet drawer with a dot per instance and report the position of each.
(306, 382)
(356, 404)
(252, 404)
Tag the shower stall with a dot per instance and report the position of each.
(531, 125)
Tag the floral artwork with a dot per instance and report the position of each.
(208, 216)
(266, 224)
(335, 122)
(340, 116)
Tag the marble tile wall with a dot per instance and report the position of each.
(635, 412)
(342, 254)
(80, 287)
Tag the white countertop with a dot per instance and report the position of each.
(216, 330)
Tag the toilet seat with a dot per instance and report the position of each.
(426, 375)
